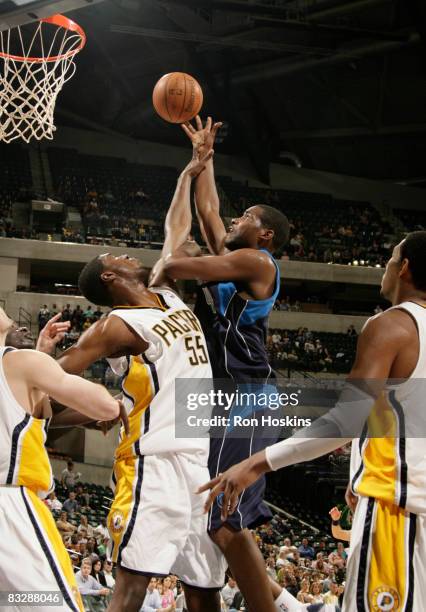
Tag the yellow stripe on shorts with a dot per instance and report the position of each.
(119, 515)
(61, 556)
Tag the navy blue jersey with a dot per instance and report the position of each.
(235, 329)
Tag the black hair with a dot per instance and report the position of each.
(274, 219)
(413, 248)
(91, 284)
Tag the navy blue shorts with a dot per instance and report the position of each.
(227, 448)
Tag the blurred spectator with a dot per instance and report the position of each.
(69, 476)
(306, 551)
(70, 505)
(229, 591)
(87, 585)
(53, 502)
(65, 527)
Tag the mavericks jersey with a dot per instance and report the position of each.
(236, 329)
(23, 456)
(393, 468)
(177, 349)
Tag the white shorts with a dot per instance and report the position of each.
(32, 554)
(157, 521)
(387, 559)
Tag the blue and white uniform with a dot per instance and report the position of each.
(235, 330)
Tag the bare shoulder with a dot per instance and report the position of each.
(253, 256)
(390, 325)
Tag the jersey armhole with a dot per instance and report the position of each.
(413, 318)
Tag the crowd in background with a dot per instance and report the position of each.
(312, 571)
(130, 216)
(313, 351)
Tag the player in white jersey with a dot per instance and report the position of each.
(32, 554)
(157, 523)
(388, 539)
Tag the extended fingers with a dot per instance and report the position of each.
(209, 485)
(198, 123)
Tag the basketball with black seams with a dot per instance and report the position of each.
(177, 97)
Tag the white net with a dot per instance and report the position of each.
(35, 63)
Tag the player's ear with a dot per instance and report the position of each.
(404, 271)
(108, 276)
(267, 234)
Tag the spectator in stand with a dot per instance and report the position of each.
(109, 578)
(77, 318)
(85, 526)
(332, 596)
(97, 572)
(270, 568)
(229, 591)
(306, 551)
(338, 557)
(378, 309)
(352, 331)
(70, 505)
(287, 548)
(304, 595)
(64, 527)
(98, 314)
(53, 502)
(316, 592)
(43, 317)
(152, 601)
(69, 476)
(101, 531)
(87, 585)
(88, 313)
(66, 313)
(82, 497)
(167, 597)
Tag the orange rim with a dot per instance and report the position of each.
(62, 22)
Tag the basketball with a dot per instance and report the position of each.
(177, 97)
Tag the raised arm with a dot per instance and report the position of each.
(178, 221)
(206, 197)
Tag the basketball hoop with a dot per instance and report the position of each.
(34, 66)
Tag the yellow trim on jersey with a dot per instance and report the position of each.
(118, 517)
(138, 386)
(159, 299)
(389, 558)
(34, 470)
(379, 476)
(46, 521)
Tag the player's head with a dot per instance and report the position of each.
(20, 338)
(405, 269)
(106, 279)
(6, 325)
(260, 226)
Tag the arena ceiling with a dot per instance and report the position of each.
(339, 85)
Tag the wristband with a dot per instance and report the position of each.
(335, 523)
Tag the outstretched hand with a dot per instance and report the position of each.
(233, 482)
(202, 138)
(51, 334)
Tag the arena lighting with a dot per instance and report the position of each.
(355, 262)
(362, 262)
